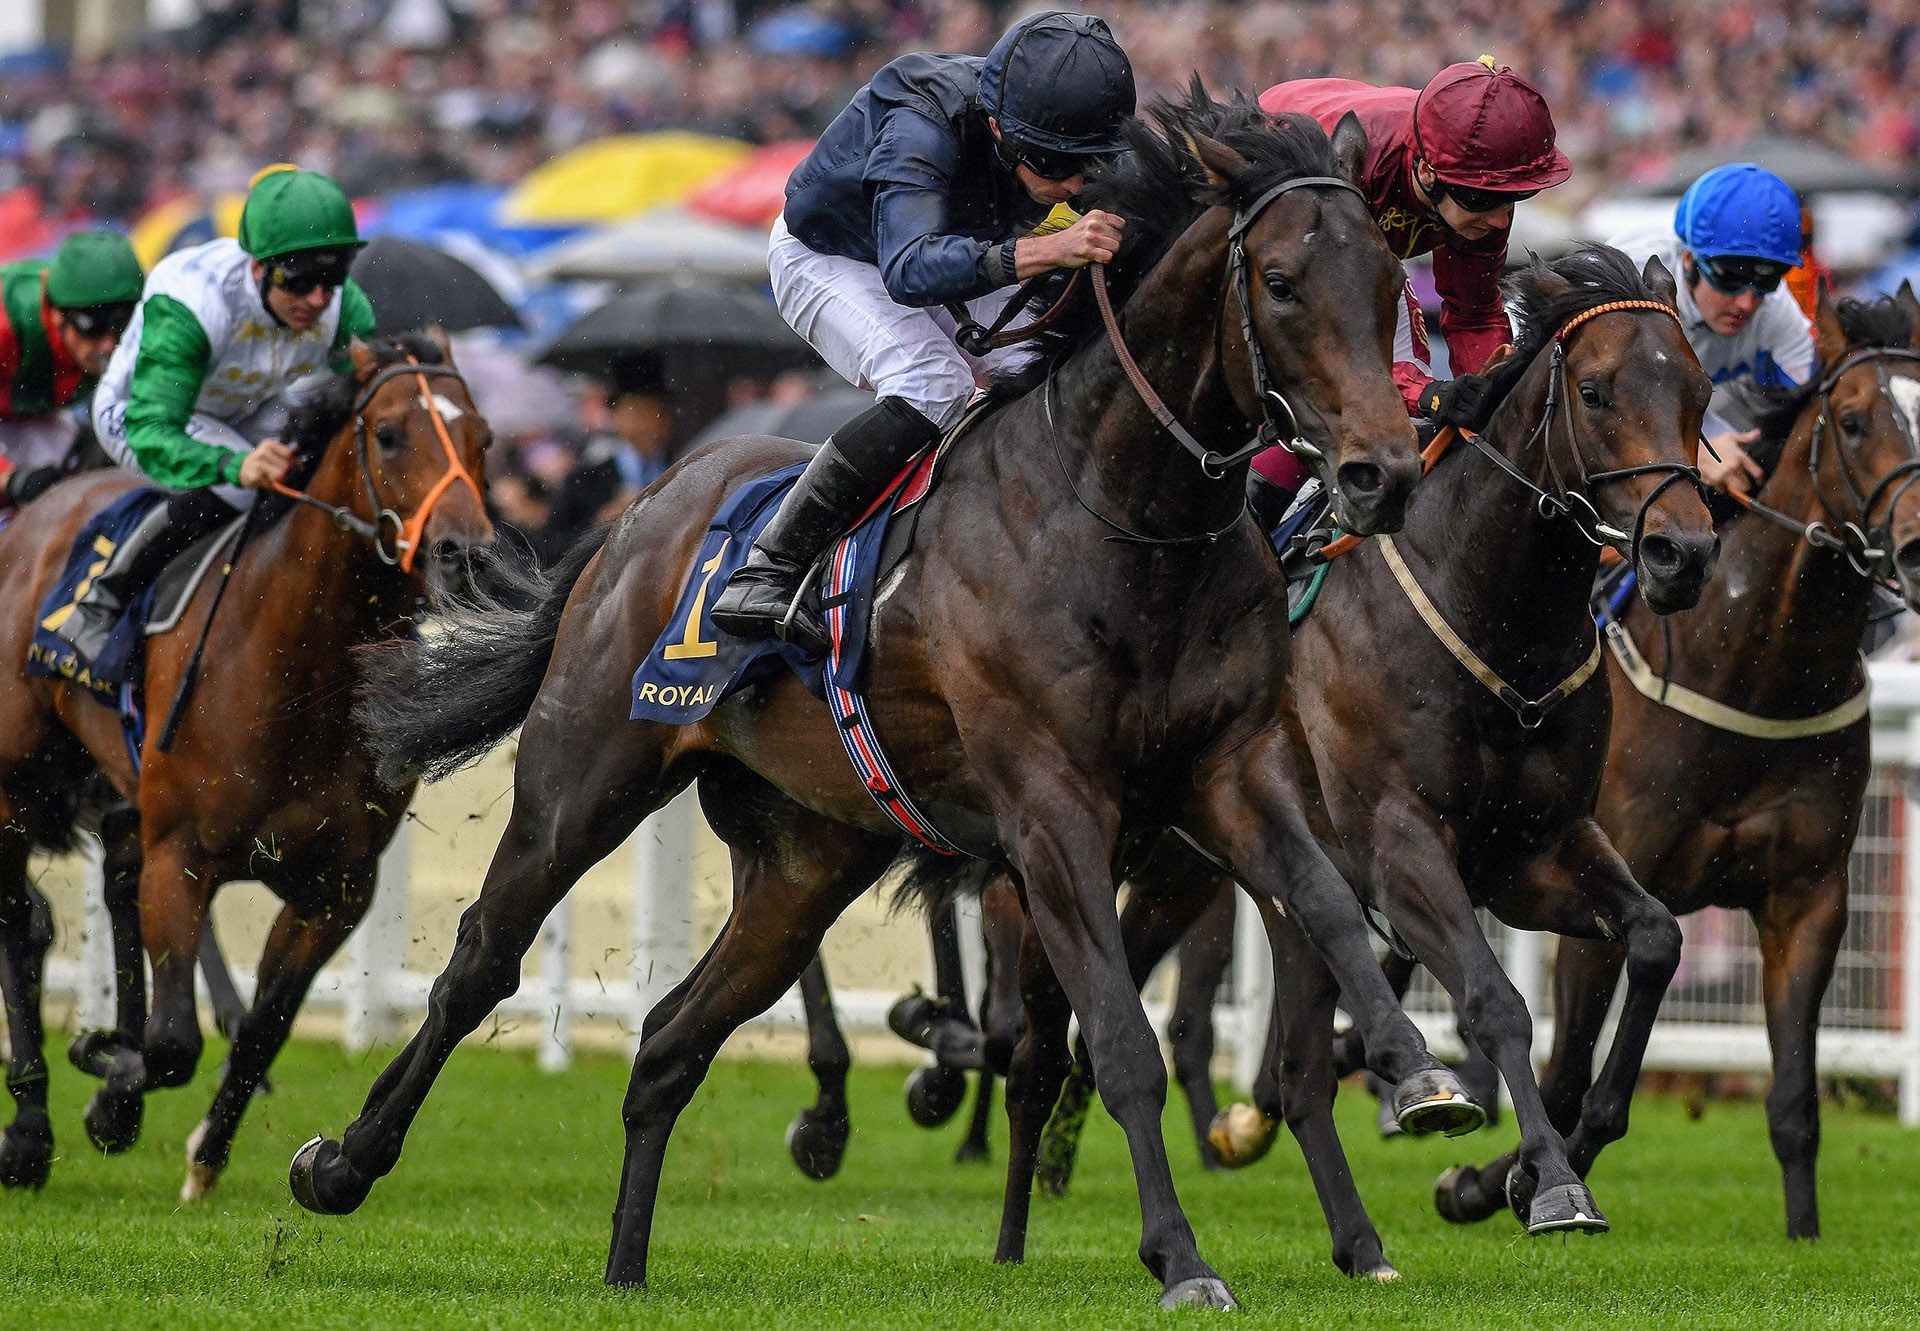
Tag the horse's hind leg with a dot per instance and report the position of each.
(568, 814)
(1204, 954)
(1304, 998)
(793, 881)
(818, 1138)
(1799, 939)
(299, 944)
(114, 1114)
(1003, 923)
(1040, 1063)
(26, 932)
(940, 1025)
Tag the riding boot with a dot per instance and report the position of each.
(850, 471)
(165, 532)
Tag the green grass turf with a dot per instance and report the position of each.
(498, 1216)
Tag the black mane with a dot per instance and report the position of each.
(1597, 274)
(1160, 188)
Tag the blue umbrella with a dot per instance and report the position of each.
(800, 32)
(468, 209)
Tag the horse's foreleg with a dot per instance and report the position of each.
(1585, 890)
(818, 1138)
(568, 814)
(113, 1116)
(1204, 954)
(1304, 998)
(26, 932)
(174, 890)
(1799, 939)
(1249, 814)
(229, 1009)
(1002, 1015)
(1040, 1061)
(1065, 862)
(298, 945)
(793, 884)
(1585, 974)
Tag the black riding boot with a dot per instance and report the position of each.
(848, 473)
(166, 531)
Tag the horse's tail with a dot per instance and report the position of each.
(926, 879)
(429, 706)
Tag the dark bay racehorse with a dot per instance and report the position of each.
(1090, 642)
(1762, 818)
(1450, 725)
(267, 777)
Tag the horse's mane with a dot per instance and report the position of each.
(323, 406)
(1597, 274)
(1160, 189)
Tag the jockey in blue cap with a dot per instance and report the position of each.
(1736, 235)
(925, 192)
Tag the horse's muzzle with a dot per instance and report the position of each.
(1371, 496)
(1674, 568)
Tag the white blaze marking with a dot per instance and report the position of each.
(448, 412)
(1906, 395)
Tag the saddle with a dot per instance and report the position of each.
(173, 590)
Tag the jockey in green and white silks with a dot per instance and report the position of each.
(195, 396)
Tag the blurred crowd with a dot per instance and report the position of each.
(389, 94)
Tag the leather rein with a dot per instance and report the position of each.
(406, 532)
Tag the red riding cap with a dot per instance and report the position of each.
(1485, 127)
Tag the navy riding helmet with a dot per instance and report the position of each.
(1061, 87)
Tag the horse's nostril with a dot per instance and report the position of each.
(1661, 554)
(1361, 481)
(1908, 558)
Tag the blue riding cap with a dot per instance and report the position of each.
(1059, 83)
(1743, 210)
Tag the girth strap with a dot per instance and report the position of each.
(1530, 712)
(1717, 714)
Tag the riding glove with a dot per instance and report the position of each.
(1465, 402)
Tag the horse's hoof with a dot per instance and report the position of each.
(1567, 1209)
(1520, 1188)
(1241, 1135)
(26, 1158)
(1380, 1274)
(1432, 1100)
(912, 1017)
(971, 1152)
(934, 1095)
(1459, 1197)
(1200, 1292)
(323, 1182)
(817, 1145)
(112, 1120)
(201, 1180)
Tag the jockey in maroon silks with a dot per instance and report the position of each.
(1445, 166)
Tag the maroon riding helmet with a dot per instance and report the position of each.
(1482, 127)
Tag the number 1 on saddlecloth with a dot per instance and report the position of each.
(691, 643)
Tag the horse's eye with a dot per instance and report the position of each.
(1592, 397)
(1279, 288)
(389, 435)
(1851, 425)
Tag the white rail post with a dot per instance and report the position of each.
(973, 950)
(1526, 967)
(94, 1006)
(556, 983)
(377, 949)
(1910, 934)
(1252, 990)
(662, 904)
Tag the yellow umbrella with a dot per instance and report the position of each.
(614, 178)
(160, 230)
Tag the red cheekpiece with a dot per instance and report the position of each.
(1487, 128)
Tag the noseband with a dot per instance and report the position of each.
(406, 532)
(1565, 501)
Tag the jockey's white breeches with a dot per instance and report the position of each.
(110, 426)
(841, 307)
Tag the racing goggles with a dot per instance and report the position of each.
(1732, 274)
(1477, 201)
(302, 272)
(1046, 164)
(93, 321)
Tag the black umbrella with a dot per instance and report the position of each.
(1809, 166)
(412, 286)
(738, 330)
(809, 421)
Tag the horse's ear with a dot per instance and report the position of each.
(1222, 164)
(365, 362)
(1660, 281)
(1829, 338)
(1501, 354)
(1350, 148)
(438, 336)
(1909, 305)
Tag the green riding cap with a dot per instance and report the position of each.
(94, 268)
(289, 210)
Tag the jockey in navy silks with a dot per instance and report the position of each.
(925, 193)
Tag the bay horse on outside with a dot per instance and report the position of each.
(1089, 642)
(267, 777)
(1743, 789)
(1449, 723)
